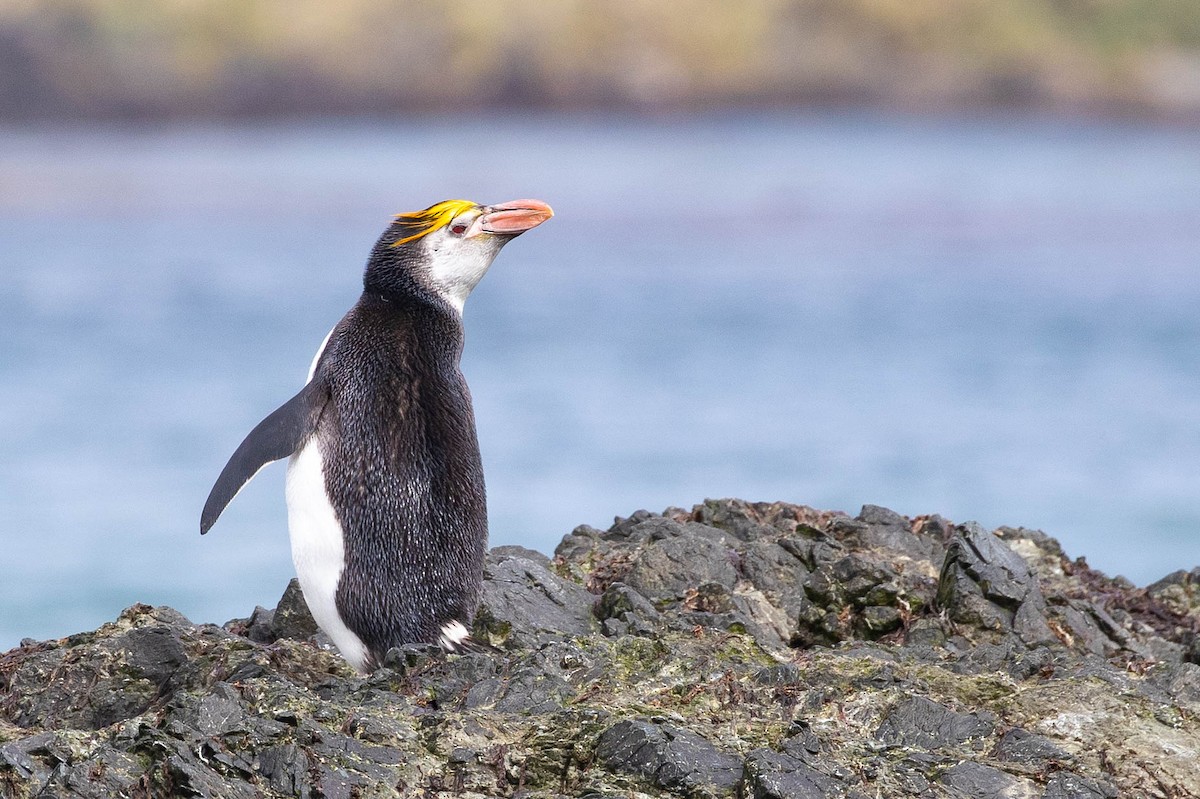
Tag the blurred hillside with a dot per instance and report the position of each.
(169, 58)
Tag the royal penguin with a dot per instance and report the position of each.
(387, 513)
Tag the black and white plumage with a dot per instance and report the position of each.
(385, 493)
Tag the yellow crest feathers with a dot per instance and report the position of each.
(422, 223)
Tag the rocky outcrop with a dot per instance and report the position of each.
(736, 649)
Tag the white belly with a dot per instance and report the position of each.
(318, 550)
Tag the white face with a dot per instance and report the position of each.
(458, 256)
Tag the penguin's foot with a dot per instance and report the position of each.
(456, 637)
(471, 645)
(405, 657)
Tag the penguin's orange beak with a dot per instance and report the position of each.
(513, 218)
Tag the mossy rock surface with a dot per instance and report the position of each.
(748, 649)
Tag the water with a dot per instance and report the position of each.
(990, 320)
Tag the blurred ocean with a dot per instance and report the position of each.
(993, 319)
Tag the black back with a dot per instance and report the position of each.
(402, 470)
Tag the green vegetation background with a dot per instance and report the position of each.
(126, 58)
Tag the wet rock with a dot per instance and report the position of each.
(773, 775)
(1021, 746)
(978, 781)
(985, 584)
(636, 527)
(1066, 785)
(531, 690)
(1086, 626)
(1179, 681)
(286, 768)
(925, 633)
(985, 657)
(515, 551)
(183, 772)
(910, 778)
(926, 724)
(623, 611)
(755, 615)
(781, 674)
(669, 757)
(674, 565)
(888, 531)
(153, 653)
(1037, 662)
(876, 515)
(803, 744)
(292, 618)
(525, 603)
(467, 680)
(106, 773)
(580, 544)
(777, 572)
(878, 620)
(260, 627)
(1179, 590)
(743, 520)
(220, 711)
(56, 687)
(20, 758)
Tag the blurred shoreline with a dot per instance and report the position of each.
(124, 60)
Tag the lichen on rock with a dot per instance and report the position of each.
(736, 649)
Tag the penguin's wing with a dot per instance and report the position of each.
(277, 436)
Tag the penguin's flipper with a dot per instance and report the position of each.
(275, 437)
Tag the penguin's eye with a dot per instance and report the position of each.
(458, 228)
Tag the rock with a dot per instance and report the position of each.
(749, 649)
(1021, 746)
(978, 781)
(775, 571)
(107, 772)
(669, 757)
(743, 520)
(773, 775)
(153, 653)
(1065, 785)
(260, 627)
(1181, 682)
(285, 768)
(666, 571)
(21, 758)
(128, 668)
(888, 531)
(1179, 590)
(220, 711)
(923, 723)
(623, 611)
(985, 584)
(291, 617)
(525, 603)
(911, 775)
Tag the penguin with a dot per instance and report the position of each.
(387, 513)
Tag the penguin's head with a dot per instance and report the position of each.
(449, 246)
